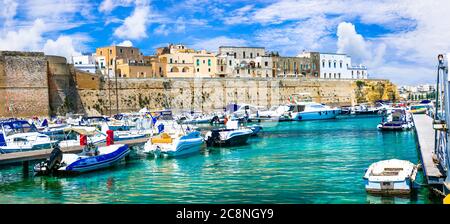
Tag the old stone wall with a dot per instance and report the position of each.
(210, 94)
(23, 84)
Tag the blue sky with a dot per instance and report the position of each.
(398, 40)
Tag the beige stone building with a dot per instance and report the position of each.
(108, 57)
(180, 61)
(296, 67)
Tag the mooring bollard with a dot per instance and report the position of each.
(83, 140)
(109, 137)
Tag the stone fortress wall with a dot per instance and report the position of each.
(32, 84)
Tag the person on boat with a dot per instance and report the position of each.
(225, 120)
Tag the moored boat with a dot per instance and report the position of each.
(390, 177)
(398, 120)
(92, 158)
(232, 135)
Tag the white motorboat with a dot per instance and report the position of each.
(390, 177)
(303, 108)
(174, 144)
(19, 135)
(275, 113)
(232, 135)
(73, 136)
(397, 120)
(92, 158)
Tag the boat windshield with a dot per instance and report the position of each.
(18, 126)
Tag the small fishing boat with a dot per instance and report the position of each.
(390, 177)
(232, 135)
(92, 158)
(398, 120)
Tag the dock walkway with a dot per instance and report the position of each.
(425, 135)
(17, 157)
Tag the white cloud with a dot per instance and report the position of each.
(125, 43)
(351, 43)
(25, 39)
(135, 26)
(109, 5)
(63, 46)
(213, 44)
(312, 35)
(8, 9)
(162, 30)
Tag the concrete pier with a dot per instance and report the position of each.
(425, 136)
(25, 157)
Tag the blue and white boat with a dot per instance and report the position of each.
(19, 135)
(92, 158)
(175, 144)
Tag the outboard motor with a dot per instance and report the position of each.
(51, 164)
(214, 139)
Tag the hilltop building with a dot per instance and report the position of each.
(244, 62)
(86, 63)
(180, 61)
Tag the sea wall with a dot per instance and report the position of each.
(209, 94)
(34, 84)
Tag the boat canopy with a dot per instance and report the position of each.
(88, 131)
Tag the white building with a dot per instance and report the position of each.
(335, 66)
(339, 66)
(85, 63)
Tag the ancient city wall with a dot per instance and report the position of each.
(23, 84)
(210, 94)
(34, 84)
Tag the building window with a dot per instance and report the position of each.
(204, 61)
(339, 75)
(340, 64)
(237, 71)
(132, 51)
(235, 55)
(307, 66)
(257, 54)
(121, 50)
(266, 64)
(209, 69)
(329, 64)
(323, 63)
(110, 51)
(334, 64)
(243, 54)
(198, 62)
(329, 75)
(209, 62)
(314, 66)
(111, 61)
(221, 68)
(171, 61)
(334, 75)
(249, 71)
(230, 62)
(301, 66)
(184, 62)
(198, 70)
(251, 55)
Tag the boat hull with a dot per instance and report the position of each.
(97, 162)
(236, 140)
(389, 187)
(317, 115)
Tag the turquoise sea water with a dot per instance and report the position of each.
(292, 162)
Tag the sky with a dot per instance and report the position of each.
(397, 39)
